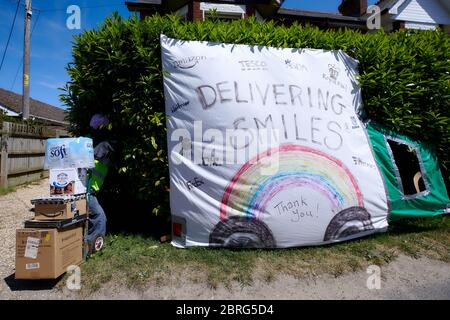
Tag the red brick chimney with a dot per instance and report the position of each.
(354, 8)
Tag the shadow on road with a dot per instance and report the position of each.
(33, 285)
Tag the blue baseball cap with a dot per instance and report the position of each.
(98, 120)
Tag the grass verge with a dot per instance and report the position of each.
(134, 261)
(4, 191)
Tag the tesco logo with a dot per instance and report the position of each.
(248, 65)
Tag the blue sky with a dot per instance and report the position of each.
(51, 39)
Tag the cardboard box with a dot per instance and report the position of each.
(46, 253)
(67, 181)
(49, 211)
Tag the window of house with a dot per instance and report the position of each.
(222, 11)
(221, 16)
(411, 179)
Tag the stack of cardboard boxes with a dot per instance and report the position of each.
(54, 239)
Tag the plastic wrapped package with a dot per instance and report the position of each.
(64, 153)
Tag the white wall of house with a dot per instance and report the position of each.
(420, 25)
(423, 11)
(418, 14)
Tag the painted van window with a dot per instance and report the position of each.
(409, 174)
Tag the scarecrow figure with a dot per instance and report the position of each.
(97, 217)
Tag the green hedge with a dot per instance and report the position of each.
(116, 70)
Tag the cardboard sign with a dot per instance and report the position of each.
(266, 148)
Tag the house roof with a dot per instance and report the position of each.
(329, 19)
(385, 4)
(269, 8)
(265, 7)
(319, 14)
(176, 4)
(38, 109)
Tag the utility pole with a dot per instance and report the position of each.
(26, 63)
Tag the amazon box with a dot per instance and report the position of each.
(56, 211)
(46, 253)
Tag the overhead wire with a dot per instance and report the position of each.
(10, 33)
(39, 11)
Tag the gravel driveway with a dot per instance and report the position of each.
(14, 210)
(405, 278)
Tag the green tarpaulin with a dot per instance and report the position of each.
(410, 169)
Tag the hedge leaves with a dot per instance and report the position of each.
(116, 70)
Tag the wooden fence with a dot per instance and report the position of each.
(22, 152)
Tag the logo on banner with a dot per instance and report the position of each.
(188, 62)
(177, 106)
(294, 65)
(194, 183)
(334, 71)
(253, 65)
(359, 162)
(355, 124)
(333, 75)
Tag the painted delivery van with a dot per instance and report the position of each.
(267, 149)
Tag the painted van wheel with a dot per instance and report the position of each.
(348, 222)
(241, 232)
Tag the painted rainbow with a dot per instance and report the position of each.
(250, 190)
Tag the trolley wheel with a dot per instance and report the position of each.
(98, 243)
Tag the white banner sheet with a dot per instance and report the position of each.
(266, 148)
